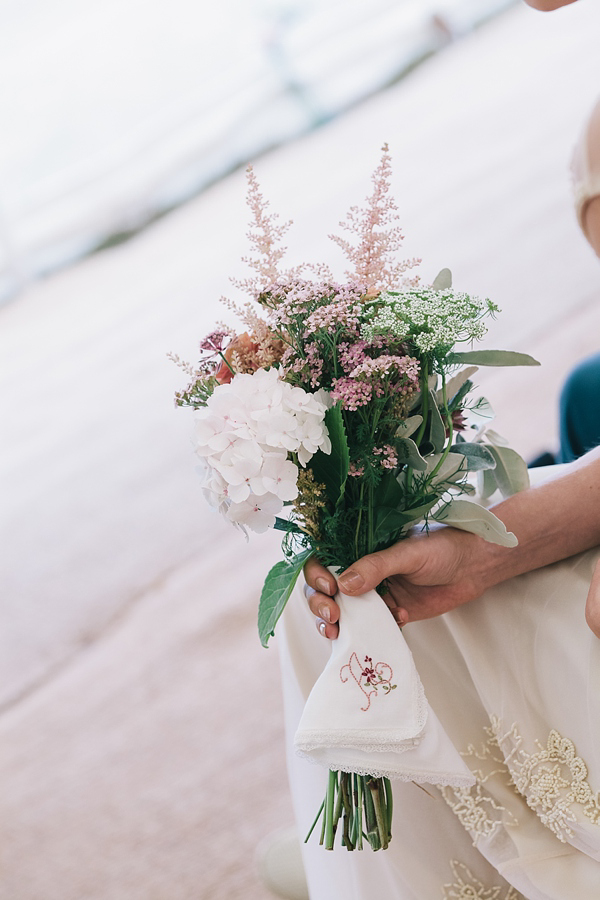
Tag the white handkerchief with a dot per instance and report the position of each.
(367, 713)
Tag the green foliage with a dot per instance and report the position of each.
(276, 591)
(332, 469)
(491, 358)
(477, 519)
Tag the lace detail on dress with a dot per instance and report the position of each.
(476, 809)
(553, 781)
(467, 887)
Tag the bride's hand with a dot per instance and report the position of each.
(426, 575)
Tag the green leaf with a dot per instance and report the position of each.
(478, 457)
(492, 358)
(389, 521)
(286, 525)
(437, 429)
(388, 492)
(331, 469)
(469, 516)
(276, 591)
(453, 467)
(408, 454)
(486, 483)
(458, 383)
(511, 471)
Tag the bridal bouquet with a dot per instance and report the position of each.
(342, 415)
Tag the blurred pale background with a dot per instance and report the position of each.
(140, 718)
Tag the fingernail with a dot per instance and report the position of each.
(322, 627)
(351, 580)
(325, 613)
(323, 585)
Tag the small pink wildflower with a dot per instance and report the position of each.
(356, 471)
(351, 392)
(389, 456)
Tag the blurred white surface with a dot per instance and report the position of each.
(113, 111)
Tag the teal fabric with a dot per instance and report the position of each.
(580, 410)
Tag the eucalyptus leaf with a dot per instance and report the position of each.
(443, 280)
(331, 469)
(470, 516)
(478, 457)
(408, 455)
(492, 358)
(408, 427)
(511, 471)
(276, 591)
(496, 439)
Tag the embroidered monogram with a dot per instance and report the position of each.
(370, 679)
(467, 887)
(553, 780)
(476, 809)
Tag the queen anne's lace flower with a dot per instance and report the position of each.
(430, 318)
(244, 436)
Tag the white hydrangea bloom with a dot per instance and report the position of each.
(244, 437)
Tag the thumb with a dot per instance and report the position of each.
(368, 572)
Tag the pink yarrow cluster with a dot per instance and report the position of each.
(244, 437)
(370, 378)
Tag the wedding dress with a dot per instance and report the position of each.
(514, 679)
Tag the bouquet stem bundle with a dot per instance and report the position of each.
(364, 805)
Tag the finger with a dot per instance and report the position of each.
(399, 613)
(368, 572)
(326, 630)
(323, 607)
(318, 577)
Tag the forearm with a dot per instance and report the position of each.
(552, 522)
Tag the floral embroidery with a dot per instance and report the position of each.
(467, 887)
(369, 678)
(553, 780)
(476, 809)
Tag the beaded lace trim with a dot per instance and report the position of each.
(553, 782)
(467, 887)
(476, 809)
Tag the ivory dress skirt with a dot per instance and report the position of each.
(514, 678)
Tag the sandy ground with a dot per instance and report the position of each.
(141, 721)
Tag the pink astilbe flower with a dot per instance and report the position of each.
(264, 236)
(379, 237)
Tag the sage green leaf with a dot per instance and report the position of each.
(276, 591)
(492, 358)
(486, 483)
(511, 471)
(443, 280)
(478, 457)
(408, 455)
(455, 383)
(408, 427)
(437, 428)
(331, 469)
(452, 468)
(469, 516)
(496, 439)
